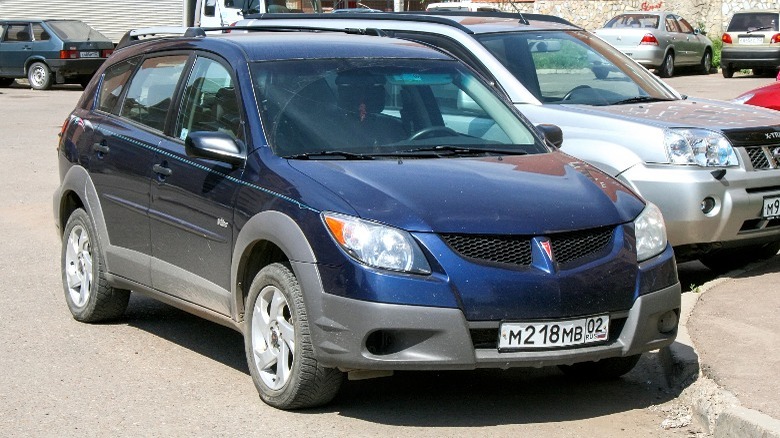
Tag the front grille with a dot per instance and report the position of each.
(569, 247)
(761, 157)
(495, 249)
(516, 250)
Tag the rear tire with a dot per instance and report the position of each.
(39, 76)
(605, 369)
(666, 70)
(278, 344)
(727, 71)
(706, 63)
(725, 260)
(89, 296)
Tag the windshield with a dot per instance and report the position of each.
(72, 30)
(357, 108)
(573, 67)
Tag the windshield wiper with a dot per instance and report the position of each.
(759, 28)
(342, 154)
(449, 150)
(639, 99)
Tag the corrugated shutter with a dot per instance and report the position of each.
(112, 18)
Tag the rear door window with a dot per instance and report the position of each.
(150, 92)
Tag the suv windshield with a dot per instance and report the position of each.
(357, 108)
(573, 67)
(753, 21)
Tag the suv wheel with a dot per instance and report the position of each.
(6, 82)
(39, 76)
(87, 292)
(278, 344)
(706, 62)
(727, 71)
(724, 260)
(667, 67)
(605, 369)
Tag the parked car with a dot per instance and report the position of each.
(50, 51)
(351, 203)
(751, 41)
(707, 164)
(465, 6)
(660, 40)
(767, 96)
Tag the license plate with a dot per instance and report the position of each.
(771, 207)
(751, 40)
(91, 54)
(551, 334)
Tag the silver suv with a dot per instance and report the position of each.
(712, 167)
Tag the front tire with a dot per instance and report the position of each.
(39, 76)
(6, 82)
(278, 344)
(89, 296)
(667, 67)
(725, 260)
(605, 369)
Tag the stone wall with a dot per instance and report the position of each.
(710, 15)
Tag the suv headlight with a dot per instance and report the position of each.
(699, 146)
(376, 245)
(650, 232)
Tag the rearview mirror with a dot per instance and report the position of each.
(545, 46)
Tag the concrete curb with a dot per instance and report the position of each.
(714, 408)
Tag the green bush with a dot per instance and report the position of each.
(717, 44)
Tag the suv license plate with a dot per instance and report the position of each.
(771, 208)
(551, 334)
(90, 54)
(752, 40)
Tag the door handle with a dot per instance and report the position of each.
(101, 148)
(162, 170)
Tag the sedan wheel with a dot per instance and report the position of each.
(667, 67)
(706, 63)
(39, 76)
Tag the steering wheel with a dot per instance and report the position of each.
(574, 90)
(430, 131)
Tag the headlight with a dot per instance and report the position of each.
(744, 98)
(376, 245)
(650, 232)
(699, 146)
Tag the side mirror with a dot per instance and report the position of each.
(552, 133)
(214, 145)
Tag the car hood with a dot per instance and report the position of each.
(531, 194)
(699, 113)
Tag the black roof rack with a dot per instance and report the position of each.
(134, 36)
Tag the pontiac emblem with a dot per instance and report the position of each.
(547, 249)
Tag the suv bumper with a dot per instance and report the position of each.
(738, 197)
(430, 338)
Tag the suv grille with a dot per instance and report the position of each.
(761, 157)
(516, 250)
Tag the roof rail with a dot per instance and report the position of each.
(134, 36)
(372, 15)
(288, 28)
(439, 17)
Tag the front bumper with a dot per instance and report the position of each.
(736, 219)
(359, 335)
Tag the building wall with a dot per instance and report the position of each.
(711, 15)
(112, 18)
